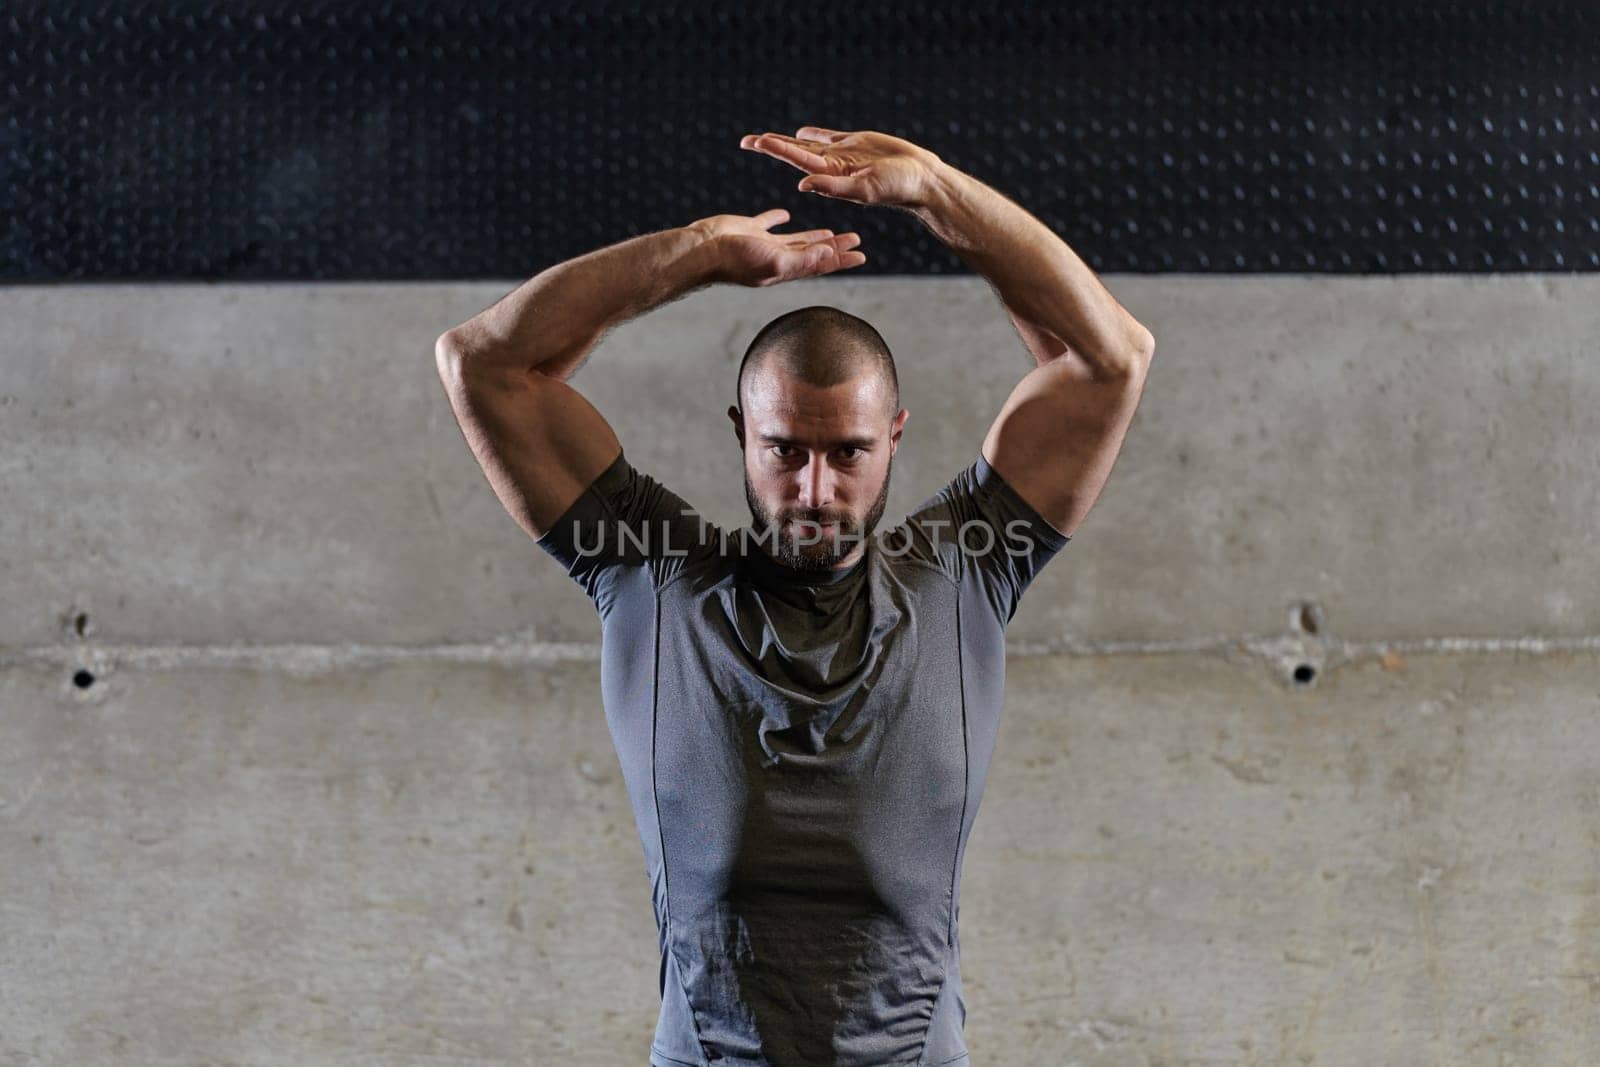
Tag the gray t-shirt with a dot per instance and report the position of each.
(805, 756)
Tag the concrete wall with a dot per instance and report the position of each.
(302, 758)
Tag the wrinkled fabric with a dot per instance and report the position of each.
(805, 756)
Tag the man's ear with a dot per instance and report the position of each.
(738, 422)
(896, 428)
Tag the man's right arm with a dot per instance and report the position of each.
(539, 442)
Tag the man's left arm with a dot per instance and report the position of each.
(1060, 431)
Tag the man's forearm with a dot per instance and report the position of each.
(1037, 275)
(552, 322)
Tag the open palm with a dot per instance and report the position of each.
(863, 166)
(749, 254)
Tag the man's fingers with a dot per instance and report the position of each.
(808, 237)
(795, 153)
(828, 256)
(784, 138)
(810, 259)
(842, 261)
(822, 258)
(829, 185)
(818, 133)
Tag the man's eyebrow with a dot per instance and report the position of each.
(843, 442)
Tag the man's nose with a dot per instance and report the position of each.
(816, 484)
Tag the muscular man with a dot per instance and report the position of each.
(804, 712)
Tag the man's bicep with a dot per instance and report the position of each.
(538, 441)
(1058, 436)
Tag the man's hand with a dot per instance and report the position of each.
(865, 167)
(747, 254)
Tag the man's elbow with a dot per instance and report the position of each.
(447, 356)
(1134, 358)
(1144, 344)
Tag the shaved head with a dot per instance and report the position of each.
(820, 346)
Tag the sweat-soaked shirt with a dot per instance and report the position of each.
(804, 755)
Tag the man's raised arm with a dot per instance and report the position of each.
(1060, 431)
(505, 370)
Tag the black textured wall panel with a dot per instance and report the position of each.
(183, 140)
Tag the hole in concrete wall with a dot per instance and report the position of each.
(1306, 617)
(83, 679)
(80, 623)
(1304, 673)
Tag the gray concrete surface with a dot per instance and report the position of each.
(340, 790)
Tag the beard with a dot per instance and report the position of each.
(813, 549)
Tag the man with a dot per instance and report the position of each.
(804, 713)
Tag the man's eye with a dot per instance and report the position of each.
(852, 451)
(782, 451)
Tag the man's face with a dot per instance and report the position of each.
(816, 465)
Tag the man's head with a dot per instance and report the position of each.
(819, 419)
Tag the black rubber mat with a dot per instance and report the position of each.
(175, 140)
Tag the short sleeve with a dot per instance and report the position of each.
(626, 523)
(982, 533)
